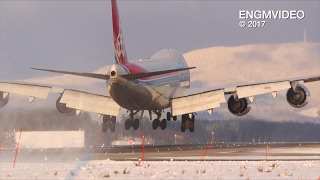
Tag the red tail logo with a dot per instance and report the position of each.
(119, 47)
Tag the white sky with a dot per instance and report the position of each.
(77, 35)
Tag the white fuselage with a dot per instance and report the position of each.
(144, 94)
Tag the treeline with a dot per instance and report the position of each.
(244, 130)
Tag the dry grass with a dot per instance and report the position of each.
(243, 168)
(284, 174)
(201, 171)
(125, 171)
(273, 165)
(105, 175)
(137, 164)
(268, 170)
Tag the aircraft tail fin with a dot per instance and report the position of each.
(119, 47)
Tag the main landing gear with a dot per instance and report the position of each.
(132, 123)
(162, 124)
(187, 122)
(109, 122)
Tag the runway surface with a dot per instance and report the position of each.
(190, 152)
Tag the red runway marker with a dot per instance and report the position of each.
(205, 152)
(17, 149)
(142, 146)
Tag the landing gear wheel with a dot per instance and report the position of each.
(113, 124)
(183, 123)
(104, 128)
(174, 118)
(135, 124)
(127, 124)
(155, 124)
(168, 116)
(183, 129)
(106, 118)
(163, 124)
(191, 128)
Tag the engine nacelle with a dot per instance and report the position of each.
(239, 107)
(298, 98)
(63, 109)
(3, 101)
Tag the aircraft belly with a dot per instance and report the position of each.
(136, 97)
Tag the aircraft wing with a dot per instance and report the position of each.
(90, 102)
(189, 100)
(78, 100)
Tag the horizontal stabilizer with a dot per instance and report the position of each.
(149, 74)
(125, 76)
(91, 75)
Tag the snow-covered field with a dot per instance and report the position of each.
(164, 170)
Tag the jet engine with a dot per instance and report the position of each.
(298, 98)
(3, 101)
(63, 109)
(239, 107)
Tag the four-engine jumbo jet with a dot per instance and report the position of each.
(155, 84)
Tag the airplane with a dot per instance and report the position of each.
(157, 84)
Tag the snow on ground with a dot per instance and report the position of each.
(163, 170)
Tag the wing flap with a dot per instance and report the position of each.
(252, 90)
(35, 91)
(197, 102)
(90, 102)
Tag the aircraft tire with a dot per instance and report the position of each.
(174, 118)
(113, 123)
(104, 128)
(183, 129)
(168, 116)
(155, 124)
(192, 128)
(163, 124)
(127, 124)
(136, 124)
(106, 118)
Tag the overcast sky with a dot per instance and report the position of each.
(77, 35)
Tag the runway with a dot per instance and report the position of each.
(221, 161)
(182, 152)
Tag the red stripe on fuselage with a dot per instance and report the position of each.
(134, 69)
